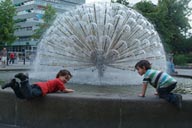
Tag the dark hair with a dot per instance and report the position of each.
(143, 63)
(63, 72)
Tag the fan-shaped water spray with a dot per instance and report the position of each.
(106, 39)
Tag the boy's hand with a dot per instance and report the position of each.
(144, 87)
(156, 93)
(68, 90)
(141, 95)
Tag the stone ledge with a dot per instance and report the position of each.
(183, 67)
(81, 110)
(16, 69)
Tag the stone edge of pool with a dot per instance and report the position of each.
(99, 110)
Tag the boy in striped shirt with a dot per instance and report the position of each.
(163, 83)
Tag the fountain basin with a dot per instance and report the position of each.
(94, 106)
(96, 110)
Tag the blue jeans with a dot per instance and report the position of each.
(17, 91)
(27, 91)
(166, 94)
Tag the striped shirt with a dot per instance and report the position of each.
(164, 80)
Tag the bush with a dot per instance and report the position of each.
(189, 58)
(180, 59)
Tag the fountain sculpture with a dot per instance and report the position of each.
(100, 44)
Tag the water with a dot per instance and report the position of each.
(100, 44)
(184, 86)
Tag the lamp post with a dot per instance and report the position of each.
(23, 53)
(7, 57)
(7, 54)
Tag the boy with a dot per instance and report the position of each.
(163, 83)
(24, 90)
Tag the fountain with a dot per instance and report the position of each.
(100, 44)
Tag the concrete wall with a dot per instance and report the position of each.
(84, 110)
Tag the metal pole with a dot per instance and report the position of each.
(23, 50)
(7, 57)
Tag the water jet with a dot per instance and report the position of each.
(100, 44)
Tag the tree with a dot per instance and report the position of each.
(48, 18)
(185, 46)
(7, 23)
(169, 18)
(146, 7)
(124, 2)
(49, 15)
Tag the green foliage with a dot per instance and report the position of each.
(48, 18)
(49, 15)
(124, 2)
(2, 82)
(7, 12)
(180, 59)
(146, 7)
(39, 32)
(169, 18)
(184, 46)
(189, 58)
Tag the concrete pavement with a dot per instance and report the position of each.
(17, 67)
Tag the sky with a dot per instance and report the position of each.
(135, 1)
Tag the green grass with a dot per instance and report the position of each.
(2, 82)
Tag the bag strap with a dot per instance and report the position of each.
(157, 79)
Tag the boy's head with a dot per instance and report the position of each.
(143, 65)
(65, 73)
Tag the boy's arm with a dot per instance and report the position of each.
(156, 92)
(144, 88)
(68, 90)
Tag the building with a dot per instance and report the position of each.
(29, 16)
